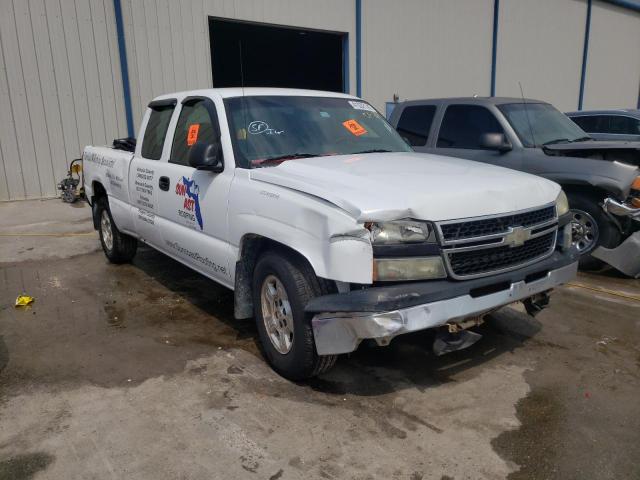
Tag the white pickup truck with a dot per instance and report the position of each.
(324, 222)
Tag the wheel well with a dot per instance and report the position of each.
(597, 193)
(252, 246)
(98, 193)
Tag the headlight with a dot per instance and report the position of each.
(562, 204)
(400, 231)
(405, 269)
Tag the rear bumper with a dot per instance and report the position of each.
(342, 321)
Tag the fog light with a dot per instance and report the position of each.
(403, 269)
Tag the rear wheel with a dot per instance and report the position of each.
(282, 286)
(117, 246)
(590, 228)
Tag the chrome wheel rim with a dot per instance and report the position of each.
(276, 314)
(105, 229)
(584, 231)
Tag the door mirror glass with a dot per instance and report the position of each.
(206, 156)
(495, 141)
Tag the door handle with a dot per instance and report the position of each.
(164, 183)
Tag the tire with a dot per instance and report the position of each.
(295, 359)
(117, 246)
(588, 214)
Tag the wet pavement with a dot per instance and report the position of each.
(140, 371)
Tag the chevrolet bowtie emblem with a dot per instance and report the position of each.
(517, 237)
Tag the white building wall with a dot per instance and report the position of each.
(60, 89)
(540, 45)
(613, 63)
(61, 85)
(425, 49)
(168, 41)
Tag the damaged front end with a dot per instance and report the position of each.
(341, 321)
(626, 215)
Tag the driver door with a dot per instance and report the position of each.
(193, 203)
(460, 135)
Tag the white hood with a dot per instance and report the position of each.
(390, 186)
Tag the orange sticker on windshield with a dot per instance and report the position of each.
(354, 127)
(192, 134)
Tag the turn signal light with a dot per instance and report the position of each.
(636, 184)
(636, 202)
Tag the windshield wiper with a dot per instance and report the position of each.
(557, 140)
(374, 150)
(281, 158)
(581, 139)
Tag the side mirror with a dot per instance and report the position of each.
(495, 141)
(207, 156)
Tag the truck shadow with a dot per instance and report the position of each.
(408, 362)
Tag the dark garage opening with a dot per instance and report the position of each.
(276, 56)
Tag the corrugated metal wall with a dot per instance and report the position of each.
(61, 85)
(421, 49)
(540, 46)
(168, 41)
(613, 65)
(60, 89)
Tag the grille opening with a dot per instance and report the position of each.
(532, 277)
(482, 261)
(492, 226)
(489, 289)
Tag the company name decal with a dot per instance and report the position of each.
(189, 190)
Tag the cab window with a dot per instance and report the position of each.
(156, 132)
(622, 125)
(464, 125)
(197, 123)
(415, 123)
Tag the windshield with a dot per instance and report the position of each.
(267, 130)
(545, 125)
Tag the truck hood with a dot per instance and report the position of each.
(390, 186)
(628, 152)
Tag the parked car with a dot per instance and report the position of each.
(326, 225)
(609, 124)
(600, 178)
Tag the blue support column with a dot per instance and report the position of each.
(358, 48)
(585, 54)
(124, 67)
(494, 46)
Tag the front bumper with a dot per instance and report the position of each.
(625, 257)
(621, 209)
(341, 321)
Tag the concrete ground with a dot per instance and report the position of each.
(140, 372)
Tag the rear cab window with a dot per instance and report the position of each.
(156, 129)
(415, 122)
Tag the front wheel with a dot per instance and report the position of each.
(282, 286)
(117, 246)
(590, 228)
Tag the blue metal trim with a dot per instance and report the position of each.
(630, 4)
(585, 54)
(124, 67)
(358, 48)
(346, 87)
(494, 45)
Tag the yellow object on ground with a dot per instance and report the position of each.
(24, 300)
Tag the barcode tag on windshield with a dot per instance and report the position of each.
(361, 106)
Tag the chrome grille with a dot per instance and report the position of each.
(496, 225)
(478, 247)
(473, 262)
